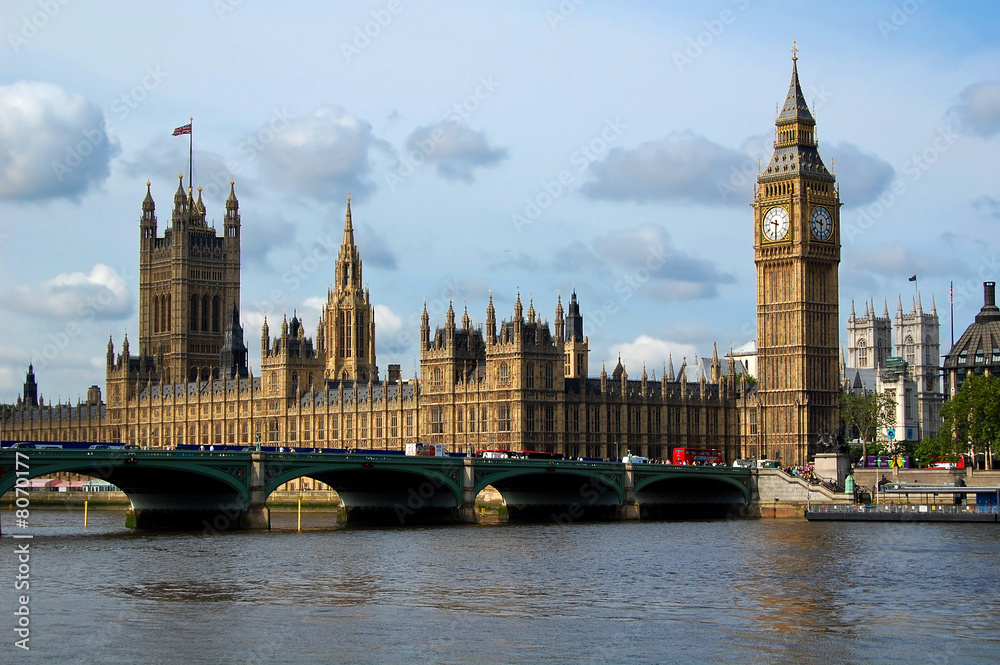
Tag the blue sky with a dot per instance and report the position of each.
(504, 146)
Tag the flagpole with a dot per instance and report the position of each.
(191, 155)
(951, 295)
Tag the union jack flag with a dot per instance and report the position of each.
(183, 129)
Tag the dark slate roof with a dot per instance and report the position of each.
(792, 159)
(795, 108)
(983, 335)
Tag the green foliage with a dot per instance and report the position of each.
(865, 415)
(751, 380)
(971, 419)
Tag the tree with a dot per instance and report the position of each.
(971, 419)
(867, 414)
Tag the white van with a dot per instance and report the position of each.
(742, 464)
(635, 459)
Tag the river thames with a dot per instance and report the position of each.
(761, 591)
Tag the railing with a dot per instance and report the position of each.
(900, 508)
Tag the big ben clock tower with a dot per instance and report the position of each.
(797, 253)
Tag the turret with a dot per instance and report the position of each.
(491, 322)
(560, 323)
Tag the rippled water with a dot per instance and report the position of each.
(764, 591)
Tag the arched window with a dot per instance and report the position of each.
(503, 374)
(216, 314)
(204, 313)
(529, 375)
(437, 377)
(908, 350)
(862, 353)
(548, 376)
(194, 313)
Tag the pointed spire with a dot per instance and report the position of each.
(852, 308)
(670, 367)
(919, 309)
(147, 203)
(518, 308)
(348, 224)
(531, 310)
(933, 305)
(885, 308)
(466, 322)
(795, 108)
(899, 309)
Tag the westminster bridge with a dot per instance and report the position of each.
(195, 490)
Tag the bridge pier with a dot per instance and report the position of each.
(629, 510)
(467, 512)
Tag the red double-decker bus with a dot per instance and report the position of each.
(704, 456)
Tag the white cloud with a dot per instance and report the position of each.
(978, 108)
(646, 262)
(388, 323)
(860, 175)
(681, 166)
(53, 143)
(654, 352)
(322, 155)
(454, 148)
(102, 294)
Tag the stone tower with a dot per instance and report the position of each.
(797, 254)
(346, 333)
(869, 337)
(576, 344)
(189, 282)
(918, 342)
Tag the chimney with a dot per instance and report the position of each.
(394, 373)
(989, 294)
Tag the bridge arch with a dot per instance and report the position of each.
(379, 489)
(554, 493)
(163, 491)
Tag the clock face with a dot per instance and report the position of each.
(822, 223)
(775, 223)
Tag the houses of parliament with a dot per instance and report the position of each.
(509, 383)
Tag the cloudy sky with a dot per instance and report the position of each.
(539, 146)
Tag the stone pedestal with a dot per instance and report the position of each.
(832, 466)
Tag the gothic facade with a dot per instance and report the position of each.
(514, 383)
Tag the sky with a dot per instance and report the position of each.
(496, 147)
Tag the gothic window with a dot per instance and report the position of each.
(908, 350)
(394, 426)
(306, 433)
(378, 427)
(272, 431)
(360, 334)
(348, 426)
(437, 420)
(529, 417)
(321, 429)
(529, 376)
(409, 425)
(204, 313)
(459, 414)
(482, 419)
(295, 382)
(272, 384)
(550, 419)
(862, 353)
(363, 425)
(334, 427)
(503, 418)
(438, 377)
(194, 313)
(576, 419)
(472, 419)
(503, 374)
(167, 312)
(216, 314)
(548, 376)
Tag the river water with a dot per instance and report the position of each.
(757, 591)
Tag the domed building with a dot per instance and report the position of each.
(977, 351)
